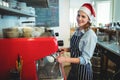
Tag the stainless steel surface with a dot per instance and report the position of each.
(111, 46)
(49, 71)
(53, 67)
(117, 36)
(52, 58)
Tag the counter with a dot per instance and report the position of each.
(111, 46)
(111, 50)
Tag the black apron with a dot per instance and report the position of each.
(78, 71)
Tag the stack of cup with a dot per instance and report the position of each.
(12, 3)
(22, 6)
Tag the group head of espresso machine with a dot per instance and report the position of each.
(18, 56)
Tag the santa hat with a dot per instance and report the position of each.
(89, 10)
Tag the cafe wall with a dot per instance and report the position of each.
(116, 10)
(64, 27)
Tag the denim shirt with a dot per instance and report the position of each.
(87, 45)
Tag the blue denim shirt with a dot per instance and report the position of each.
(87, 45)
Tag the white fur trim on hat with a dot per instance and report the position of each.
(86, 10)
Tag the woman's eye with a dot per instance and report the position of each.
(83, 16)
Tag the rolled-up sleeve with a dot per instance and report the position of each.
(82, 60)
(87, 46)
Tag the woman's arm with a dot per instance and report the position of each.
(87, 46)
(62, 59)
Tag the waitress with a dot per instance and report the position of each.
(82, 45)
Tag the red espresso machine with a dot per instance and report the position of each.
(29, 50)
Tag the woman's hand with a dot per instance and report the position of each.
(62, 50)
(61, 59)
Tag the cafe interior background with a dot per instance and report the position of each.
(67, 16)
(63, 23)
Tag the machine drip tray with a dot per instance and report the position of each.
(49, 71)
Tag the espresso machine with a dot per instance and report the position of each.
(19, 57)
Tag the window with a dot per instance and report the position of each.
(103, 12)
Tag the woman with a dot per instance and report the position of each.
(82, 45)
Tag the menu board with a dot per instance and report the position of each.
(48, 17)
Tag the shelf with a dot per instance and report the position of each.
(112, 32)
(9, 11)
(36, 3)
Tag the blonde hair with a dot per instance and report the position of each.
(87, 26)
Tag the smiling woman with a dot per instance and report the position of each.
(82, 45)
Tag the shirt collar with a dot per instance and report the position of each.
(78, 30)
(83, 31)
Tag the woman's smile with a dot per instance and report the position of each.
(82, 18)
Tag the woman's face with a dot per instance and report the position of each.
(82, 19)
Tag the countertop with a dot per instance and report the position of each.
(111, 50)
(111, 46)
